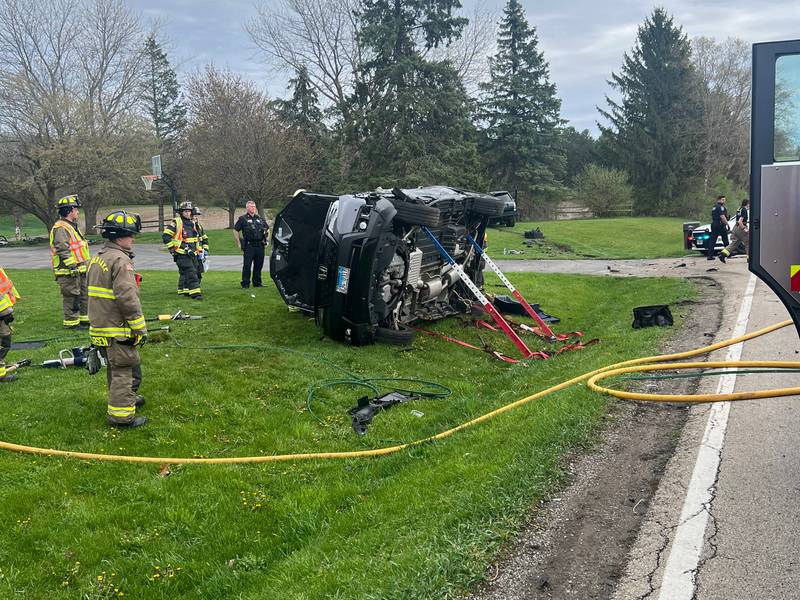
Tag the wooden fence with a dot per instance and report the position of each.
(572, 210)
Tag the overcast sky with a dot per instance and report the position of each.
(583, 40)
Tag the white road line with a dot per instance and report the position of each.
(678, 582)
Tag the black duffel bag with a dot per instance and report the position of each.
(648, 316)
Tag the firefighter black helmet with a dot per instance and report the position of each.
(120, 223)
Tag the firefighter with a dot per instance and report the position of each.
(180, 238)
(116, 321)
(202, 242)
(70, 252)
(8, 297)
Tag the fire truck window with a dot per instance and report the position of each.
(787, 108)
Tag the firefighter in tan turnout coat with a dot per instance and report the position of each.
(70, 252)
(116, 322)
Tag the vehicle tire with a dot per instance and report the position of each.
(492, 207)
(395, 337)
(511, 222)
(416, 214)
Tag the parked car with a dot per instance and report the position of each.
(362, 265)
(509, 216)
(697, 238)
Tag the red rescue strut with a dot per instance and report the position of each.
(514, 292)
(487, 306)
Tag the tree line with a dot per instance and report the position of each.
(381, 93)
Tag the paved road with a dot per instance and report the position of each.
(154, 257)
(724, 523)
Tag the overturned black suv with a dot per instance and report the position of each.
(364, 265)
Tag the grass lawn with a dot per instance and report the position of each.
(30, 225)
(628, 237)
(423, 523)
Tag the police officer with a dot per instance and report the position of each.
(740, 232)
(70, 253)
(180, 238)
(250, 233)
(116, 321)
(8, 297)
(202, 242)
(719, 227)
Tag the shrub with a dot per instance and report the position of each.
(697, 203)
(603, 190)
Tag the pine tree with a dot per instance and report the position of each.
(162, 95)
(413, 124)
(580, 150)
(302, 110)
(520, 110)
(657, 125)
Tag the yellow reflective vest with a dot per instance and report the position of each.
(8, 293)
(180, 236)
(69, 248)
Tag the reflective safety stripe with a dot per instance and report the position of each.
(194, 291)
(2, 370)
(78, 248)
(71, 322)
(83, 318)
(137, 323)
(101, 292)
(5, 303)
(110, 331)
(121, 411)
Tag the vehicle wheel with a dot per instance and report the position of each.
(511, 222)
(395, 337)
(492, 207)
(416, 214)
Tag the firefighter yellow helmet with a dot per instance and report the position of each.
(71, 201)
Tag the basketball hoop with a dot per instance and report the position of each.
(148, 181)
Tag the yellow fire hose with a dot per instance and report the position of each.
(630, 366)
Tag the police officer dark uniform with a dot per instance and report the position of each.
(180, 238)
(719, 227)
(116, 321)
(250, 233)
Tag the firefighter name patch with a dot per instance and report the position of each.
(794, 277)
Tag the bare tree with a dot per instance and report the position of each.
(237, 148)
(319, 35)
(68, 72)
(470, 53)
(724, 69)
